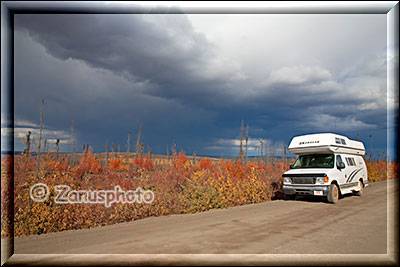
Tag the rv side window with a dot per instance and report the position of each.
(337, 140)
(338, 160)
(350, 162)
(343, 141)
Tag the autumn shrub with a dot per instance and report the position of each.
(117, 165)
(87, 165)
(381, 170)
(144, 163)
(178, 186)
(206, 164)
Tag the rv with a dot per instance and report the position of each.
(328, 165)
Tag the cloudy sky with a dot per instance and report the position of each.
(192, 78)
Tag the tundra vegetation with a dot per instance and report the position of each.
(180, 183)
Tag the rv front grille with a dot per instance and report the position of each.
(303, 180)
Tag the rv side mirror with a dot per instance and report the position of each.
(340, 165)
(291, 166)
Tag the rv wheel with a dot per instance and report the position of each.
(333, 195)
(360, 188)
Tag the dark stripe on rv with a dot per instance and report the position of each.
(350, 175)
(334, 146)
(304, 175)
(354, 175)
(348, 185)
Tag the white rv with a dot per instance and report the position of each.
(327, 165)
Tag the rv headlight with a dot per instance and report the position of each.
(287, 180)
(322, 180)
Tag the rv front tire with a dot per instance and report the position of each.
(333, 194)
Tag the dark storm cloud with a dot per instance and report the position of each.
(111, 72)
(164, 52)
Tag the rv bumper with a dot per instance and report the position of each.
(317, 190)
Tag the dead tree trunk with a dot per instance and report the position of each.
(167, 154)
(28, 143)
(73, 141)
(138, 144)
(106, 153)
(241, 143)
(40, 139)
(128, 146)
(194, 158)
(57, 147)
(284, 157)
(247, 141)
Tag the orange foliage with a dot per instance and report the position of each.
(89, 165)
(206, 164)
(144, 163)
(117, 165)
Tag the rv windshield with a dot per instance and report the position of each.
(314, 161)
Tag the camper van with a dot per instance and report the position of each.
(327, 165)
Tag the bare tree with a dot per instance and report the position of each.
(28, 143)
(73, 141)
(112, 151)
(106, 152)
(257, 148)
(58, 146)
(119, 149)
(149, 152)
(194, 158)
(247, 141)
(272, 153)
(370, 143)
(128, 146)
(284, 156)
(40, 139)
(262, 149)
(73, 136)
(167, 154)
(241, 142)
(138, 144)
